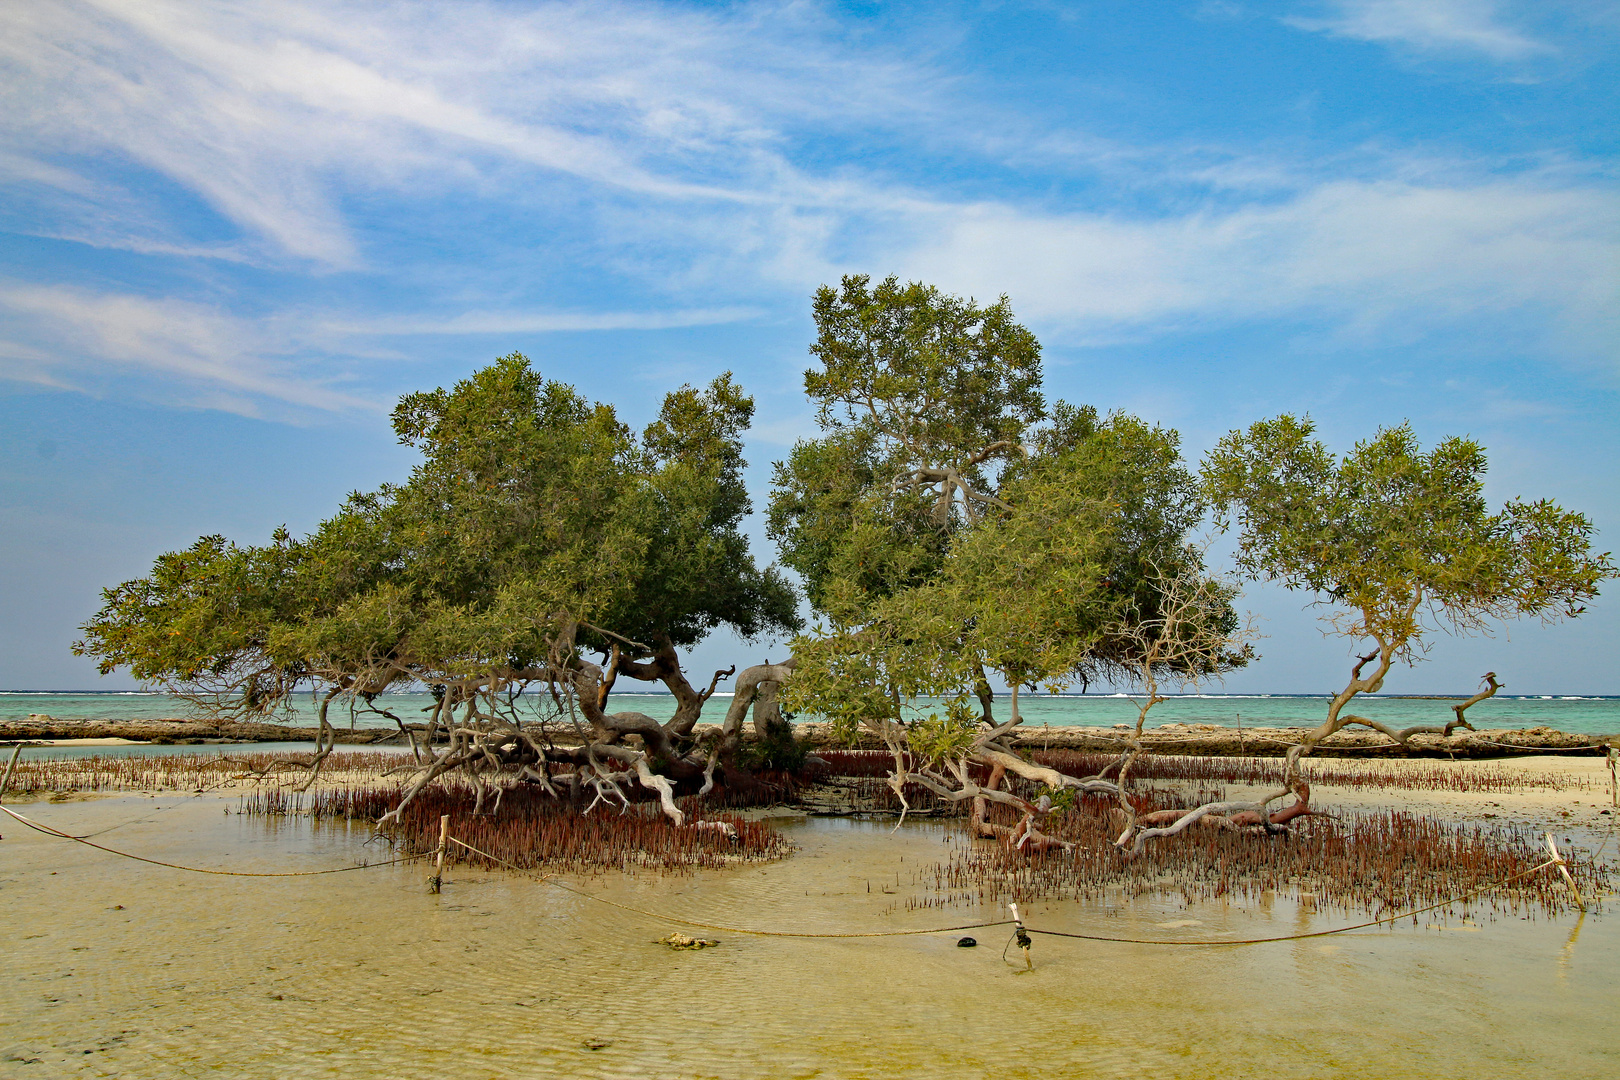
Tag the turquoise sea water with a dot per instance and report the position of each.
(1586, 715)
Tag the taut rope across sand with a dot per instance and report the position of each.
(48, 831)
(1556, 860)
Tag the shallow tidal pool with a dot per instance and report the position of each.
(118, 968)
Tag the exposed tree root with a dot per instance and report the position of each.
(489, 745)
(1257, 815)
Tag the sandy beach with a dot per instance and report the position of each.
(1181, 739)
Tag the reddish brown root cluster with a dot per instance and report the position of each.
(181, 772)
(533, 830)
(1209, 771)
(1375, 863)
(1329, 772)
(171, 772)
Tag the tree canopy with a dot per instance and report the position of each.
(942, 385)
(1394, 539)
(947, 522)
(949, 526)
(536, 529)
(1396, 543)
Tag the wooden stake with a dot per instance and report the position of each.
(444, 840)
(7, 781)
(1022, 935)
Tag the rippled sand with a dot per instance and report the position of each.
(115, 968)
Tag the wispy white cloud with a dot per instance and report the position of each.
(673, 140)
(272, 112)
(539, 322)
(24, 363)
(20, 168)
(120, 240)
(1473, 26)
(1392, 258)
(254, 366)
(203, 352)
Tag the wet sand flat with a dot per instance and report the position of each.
(115, 968)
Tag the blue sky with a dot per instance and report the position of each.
(230, 235)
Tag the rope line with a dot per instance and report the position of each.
(551, 880)
(49, 831)
(1300, 937)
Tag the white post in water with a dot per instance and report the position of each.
(1558, 861)
(444, 841)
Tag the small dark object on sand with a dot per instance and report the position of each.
(681, 941)
(965, 943)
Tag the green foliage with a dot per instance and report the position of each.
(910, 379)
(838, 522)
(1052, 587)
(1390, 534)
(854, 674)
(201, 609)
(1043, 568)
(776, 749)
(531, 510)
(699, 574)
(935, 739)
(1063, 799)
(936, 377)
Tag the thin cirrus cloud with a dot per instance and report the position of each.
(673, 138)
(194, 347)
(539, 322)
(199, 351)
(1464, 26)
(1367, 254)
(267, 113)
